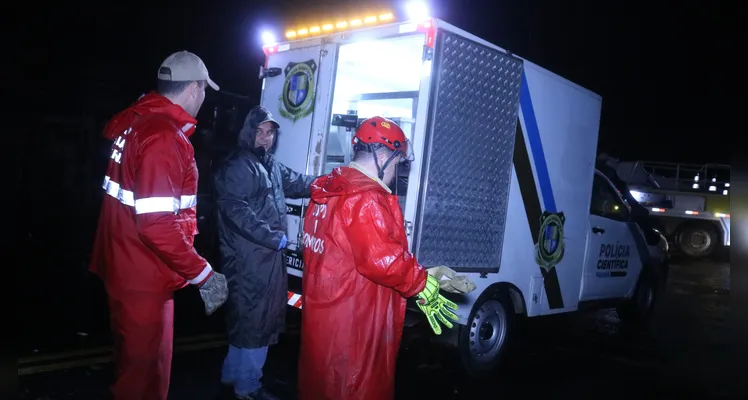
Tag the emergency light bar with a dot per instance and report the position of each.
(339, 26)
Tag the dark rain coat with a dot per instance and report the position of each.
(250, 198)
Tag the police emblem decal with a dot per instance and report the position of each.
(549, 251)
(297, 98)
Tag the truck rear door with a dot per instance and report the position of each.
(299, 98)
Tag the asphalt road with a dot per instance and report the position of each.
(686, 351)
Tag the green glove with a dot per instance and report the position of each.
(436, 306)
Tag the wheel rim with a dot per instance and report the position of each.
(488, 331)
(698, 240)
(645, 298)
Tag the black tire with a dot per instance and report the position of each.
(639, 309)
(493, 323)
(697, 240)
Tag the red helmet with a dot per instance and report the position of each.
(380, 130)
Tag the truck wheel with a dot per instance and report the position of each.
(638, 309)
(483, 342)
(697, 240)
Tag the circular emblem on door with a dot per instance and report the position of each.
(297, 97)
(549, 250)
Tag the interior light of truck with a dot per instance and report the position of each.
(696, 178)
(386, 17)
(724, 192)
(370, 19)
(727, 184)
(341, 25)
(314, 30)
(302, 31)
(712, 188)
(689, 212)
(291, 35)
(721, 215)
(327, 27)
(355, 22)
(655, 209)
(695, 186)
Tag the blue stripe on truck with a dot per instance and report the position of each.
(536, 146)
(533, 192)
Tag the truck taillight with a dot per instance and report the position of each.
(268, 50)
(429, 29)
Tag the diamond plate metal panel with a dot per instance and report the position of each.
(469, 155)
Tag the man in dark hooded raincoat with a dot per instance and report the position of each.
(250, 196)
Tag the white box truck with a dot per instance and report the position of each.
(503, 187)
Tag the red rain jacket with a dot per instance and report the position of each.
(357, 275)
(145, 235)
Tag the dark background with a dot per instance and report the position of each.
(656, 64)
(659, 67)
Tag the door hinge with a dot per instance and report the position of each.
(269, 72)
(428, 53)
(408, 228)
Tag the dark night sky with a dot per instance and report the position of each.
(647, 62)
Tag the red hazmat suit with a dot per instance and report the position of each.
(144, 242)
(357, 275)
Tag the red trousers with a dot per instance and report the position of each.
(143, 329)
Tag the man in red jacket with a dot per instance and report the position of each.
(144, 241)
(358, 273)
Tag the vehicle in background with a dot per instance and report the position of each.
(689, 204)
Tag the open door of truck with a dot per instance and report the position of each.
(296, 89)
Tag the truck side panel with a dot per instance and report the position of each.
(552, 171)
(552, 165)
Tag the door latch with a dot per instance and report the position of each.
(408, 228)
(269, 72)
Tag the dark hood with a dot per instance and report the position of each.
(256, 116)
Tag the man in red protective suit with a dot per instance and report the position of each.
(358, 273)
(144, 241)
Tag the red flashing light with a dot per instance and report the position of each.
(268, 50)
(429, 29)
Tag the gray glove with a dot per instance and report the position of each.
(214, 292)
(450, 282)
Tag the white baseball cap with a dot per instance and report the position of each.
(185, 66)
